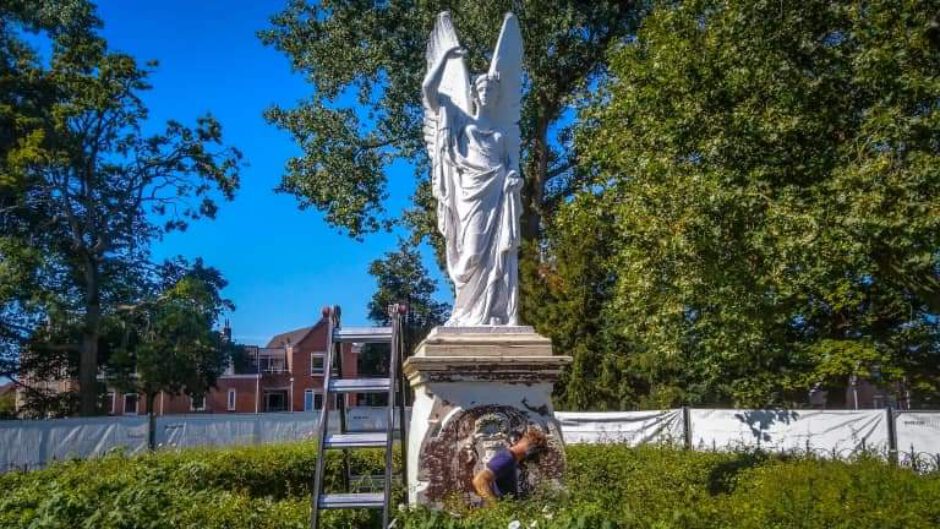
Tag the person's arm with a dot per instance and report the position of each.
(483, 485)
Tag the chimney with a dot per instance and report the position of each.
(227, 332)
(289, 356)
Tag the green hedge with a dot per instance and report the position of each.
(607, 487)
(256, 487)
(612, 487)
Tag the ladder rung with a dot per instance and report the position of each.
(363, 334)
(356, 440)
(359, 385)
(370, 500)
(371, 479)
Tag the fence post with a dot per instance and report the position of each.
(687, 427)
(892, 437)
(43, 446)
(152, 431)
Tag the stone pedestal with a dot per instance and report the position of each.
(476, 389)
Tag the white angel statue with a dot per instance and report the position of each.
(473, 138)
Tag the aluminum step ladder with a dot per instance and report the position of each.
(346, 440)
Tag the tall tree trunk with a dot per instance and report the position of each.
(88, 360)
(529, 253)
(535, 175)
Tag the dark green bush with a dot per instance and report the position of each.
(608, 487)
(617, 487)
(254, 487)
(818, 493)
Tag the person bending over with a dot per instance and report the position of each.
(498, 477)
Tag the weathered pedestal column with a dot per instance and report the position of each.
(476, 389)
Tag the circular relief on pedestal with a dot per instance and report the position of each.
(469, 439)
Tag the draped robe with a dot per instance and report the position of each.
(478, 209)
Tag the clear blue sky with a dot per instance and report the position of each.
(282, 264)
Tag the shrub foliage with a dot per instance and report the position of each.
(607, 487)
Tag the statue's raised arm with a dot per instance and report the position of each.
(447, 79)
(445, 93)
(472, 135)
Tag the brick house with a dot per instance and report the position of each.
(286, 375)
(292, 369)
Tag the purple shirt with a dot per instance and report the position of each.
(503, 466)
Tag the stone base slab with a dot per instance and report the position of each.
(523, 370)
(484, 341)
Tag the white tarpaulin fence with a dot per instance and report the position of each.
(29, 444)
(180, 431)
(918, 435)
(913, 436)
(630, 427)
(838, 432)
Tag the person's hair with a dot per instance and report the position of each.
(535, 437)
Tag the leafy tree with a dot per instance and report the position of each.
(402, 278)
(28, 292)
(770, 171)
(570, 302)
(99, 190)
(168, 343)
(377, 51)
(26, 95)
(8, 405)
(47, 366)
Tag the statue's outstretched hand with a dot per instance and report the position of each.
(513, 182)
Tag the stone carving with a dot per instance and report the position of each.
(476, 390)
(467, 440)
(473, 139)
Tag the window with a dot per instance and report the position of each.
(318, 401)
(272, 365)
(308, 399)
(317, 362)
(107, 404)
(275, 400)
(197, 403)
(231, 399)
(372, 399)
(130, 404)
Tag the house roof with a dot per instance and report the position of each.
(293, 337)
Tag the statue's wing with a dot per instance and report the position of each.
(455, 80)
(507, 63)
